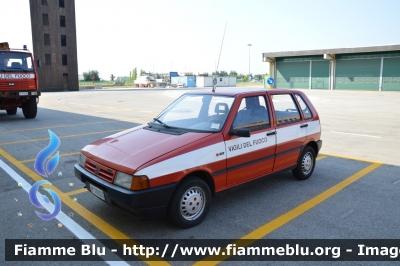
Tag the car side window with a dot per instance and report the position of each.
(304, 107)
(285, 109)
(252, 114)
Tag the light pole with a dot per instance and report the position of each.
(249, 45)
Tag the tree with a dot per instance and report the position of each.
(133, 74)
(258, 77)
(112, 77)
(220, 73)
(91, 73)
(233, 73)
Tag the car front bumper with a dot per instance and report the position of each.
(146, 203)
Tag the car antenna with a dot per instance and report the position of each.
(215, 79)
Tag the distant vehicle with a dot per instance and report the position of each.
(18, 81)
(202, 144)
(145, 81)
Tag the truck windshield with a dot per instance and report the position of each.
(198, 112)
(14, 62)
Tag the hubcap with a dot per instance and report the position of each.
(307, 163)
(192, 203)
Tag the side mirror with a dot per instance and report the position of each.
(39, 63)
(241, 132)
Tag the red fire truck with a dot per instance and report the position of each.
(18, 81)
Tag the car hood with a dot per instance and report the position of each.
(126, 151)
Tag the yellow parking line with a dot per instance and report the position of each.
(61, 155)
(92, 218)
(278, 222)
(74, 192)
(73, 125)
(350, 158)
(321, 157)
(61, 137)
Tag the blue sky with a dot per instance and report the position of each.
(113, 37)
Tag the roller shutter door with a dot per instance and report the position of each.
(320, 75)
(292, 75)
(391, 74)
(360, 74)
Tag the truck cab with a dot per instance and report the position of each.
(18, 81)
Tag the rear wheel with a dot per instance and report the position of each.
(306, 164)
(12, 111)
(29, 108)
(189, 203)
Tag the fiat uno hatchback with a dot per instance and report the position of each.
(205, 142)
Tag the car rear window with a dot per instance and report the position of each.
(304, 107)
(285, 109)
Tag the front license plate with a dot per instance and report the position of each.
(97, 192)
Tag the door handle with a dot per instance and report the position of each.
(306, 125)
(271, 133)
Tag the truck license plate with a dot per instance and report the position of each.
(97, 191)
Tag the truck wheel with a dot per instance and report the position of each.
(12, 111)
(305, 165)
(29, 108)
(189, 203)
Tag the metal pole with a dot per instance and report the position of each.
(380, 76)
(249, 45)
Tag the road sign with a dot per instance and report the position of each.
(270, 81)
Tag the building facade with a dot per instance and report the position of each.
(54, 43)
(375, 68)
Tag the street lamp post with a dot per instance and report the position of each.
(249, 45)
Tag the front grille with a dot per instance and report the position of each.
(19, 84)
(100, 170)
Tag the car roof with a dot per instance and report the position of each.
(237, 91)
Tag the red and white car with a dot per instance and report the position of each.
(203, 143)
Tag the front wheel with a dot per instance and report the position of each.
(29, 108)
(189, 203)
(306, 164)
(12, 111)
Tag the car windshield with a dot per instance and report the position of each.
(13, 62)
(197, 112)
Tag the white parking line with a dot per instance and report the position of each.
(369, 136)
(66, 221)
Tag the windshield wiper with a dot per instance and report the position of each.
(2, 69)
(18, 68)
(161, 122)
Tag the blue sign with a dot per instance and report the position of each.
(270, 81)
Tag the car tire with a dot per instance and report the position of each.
(306, 164)
(12, 111)
(29, 108)
(192, 192)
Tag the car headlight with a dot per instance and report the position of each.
(131, 182)
(82, 160)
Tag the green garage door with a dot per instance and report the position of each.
(391, 74)
(292, 75)
(320, 75)
(362, 74)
